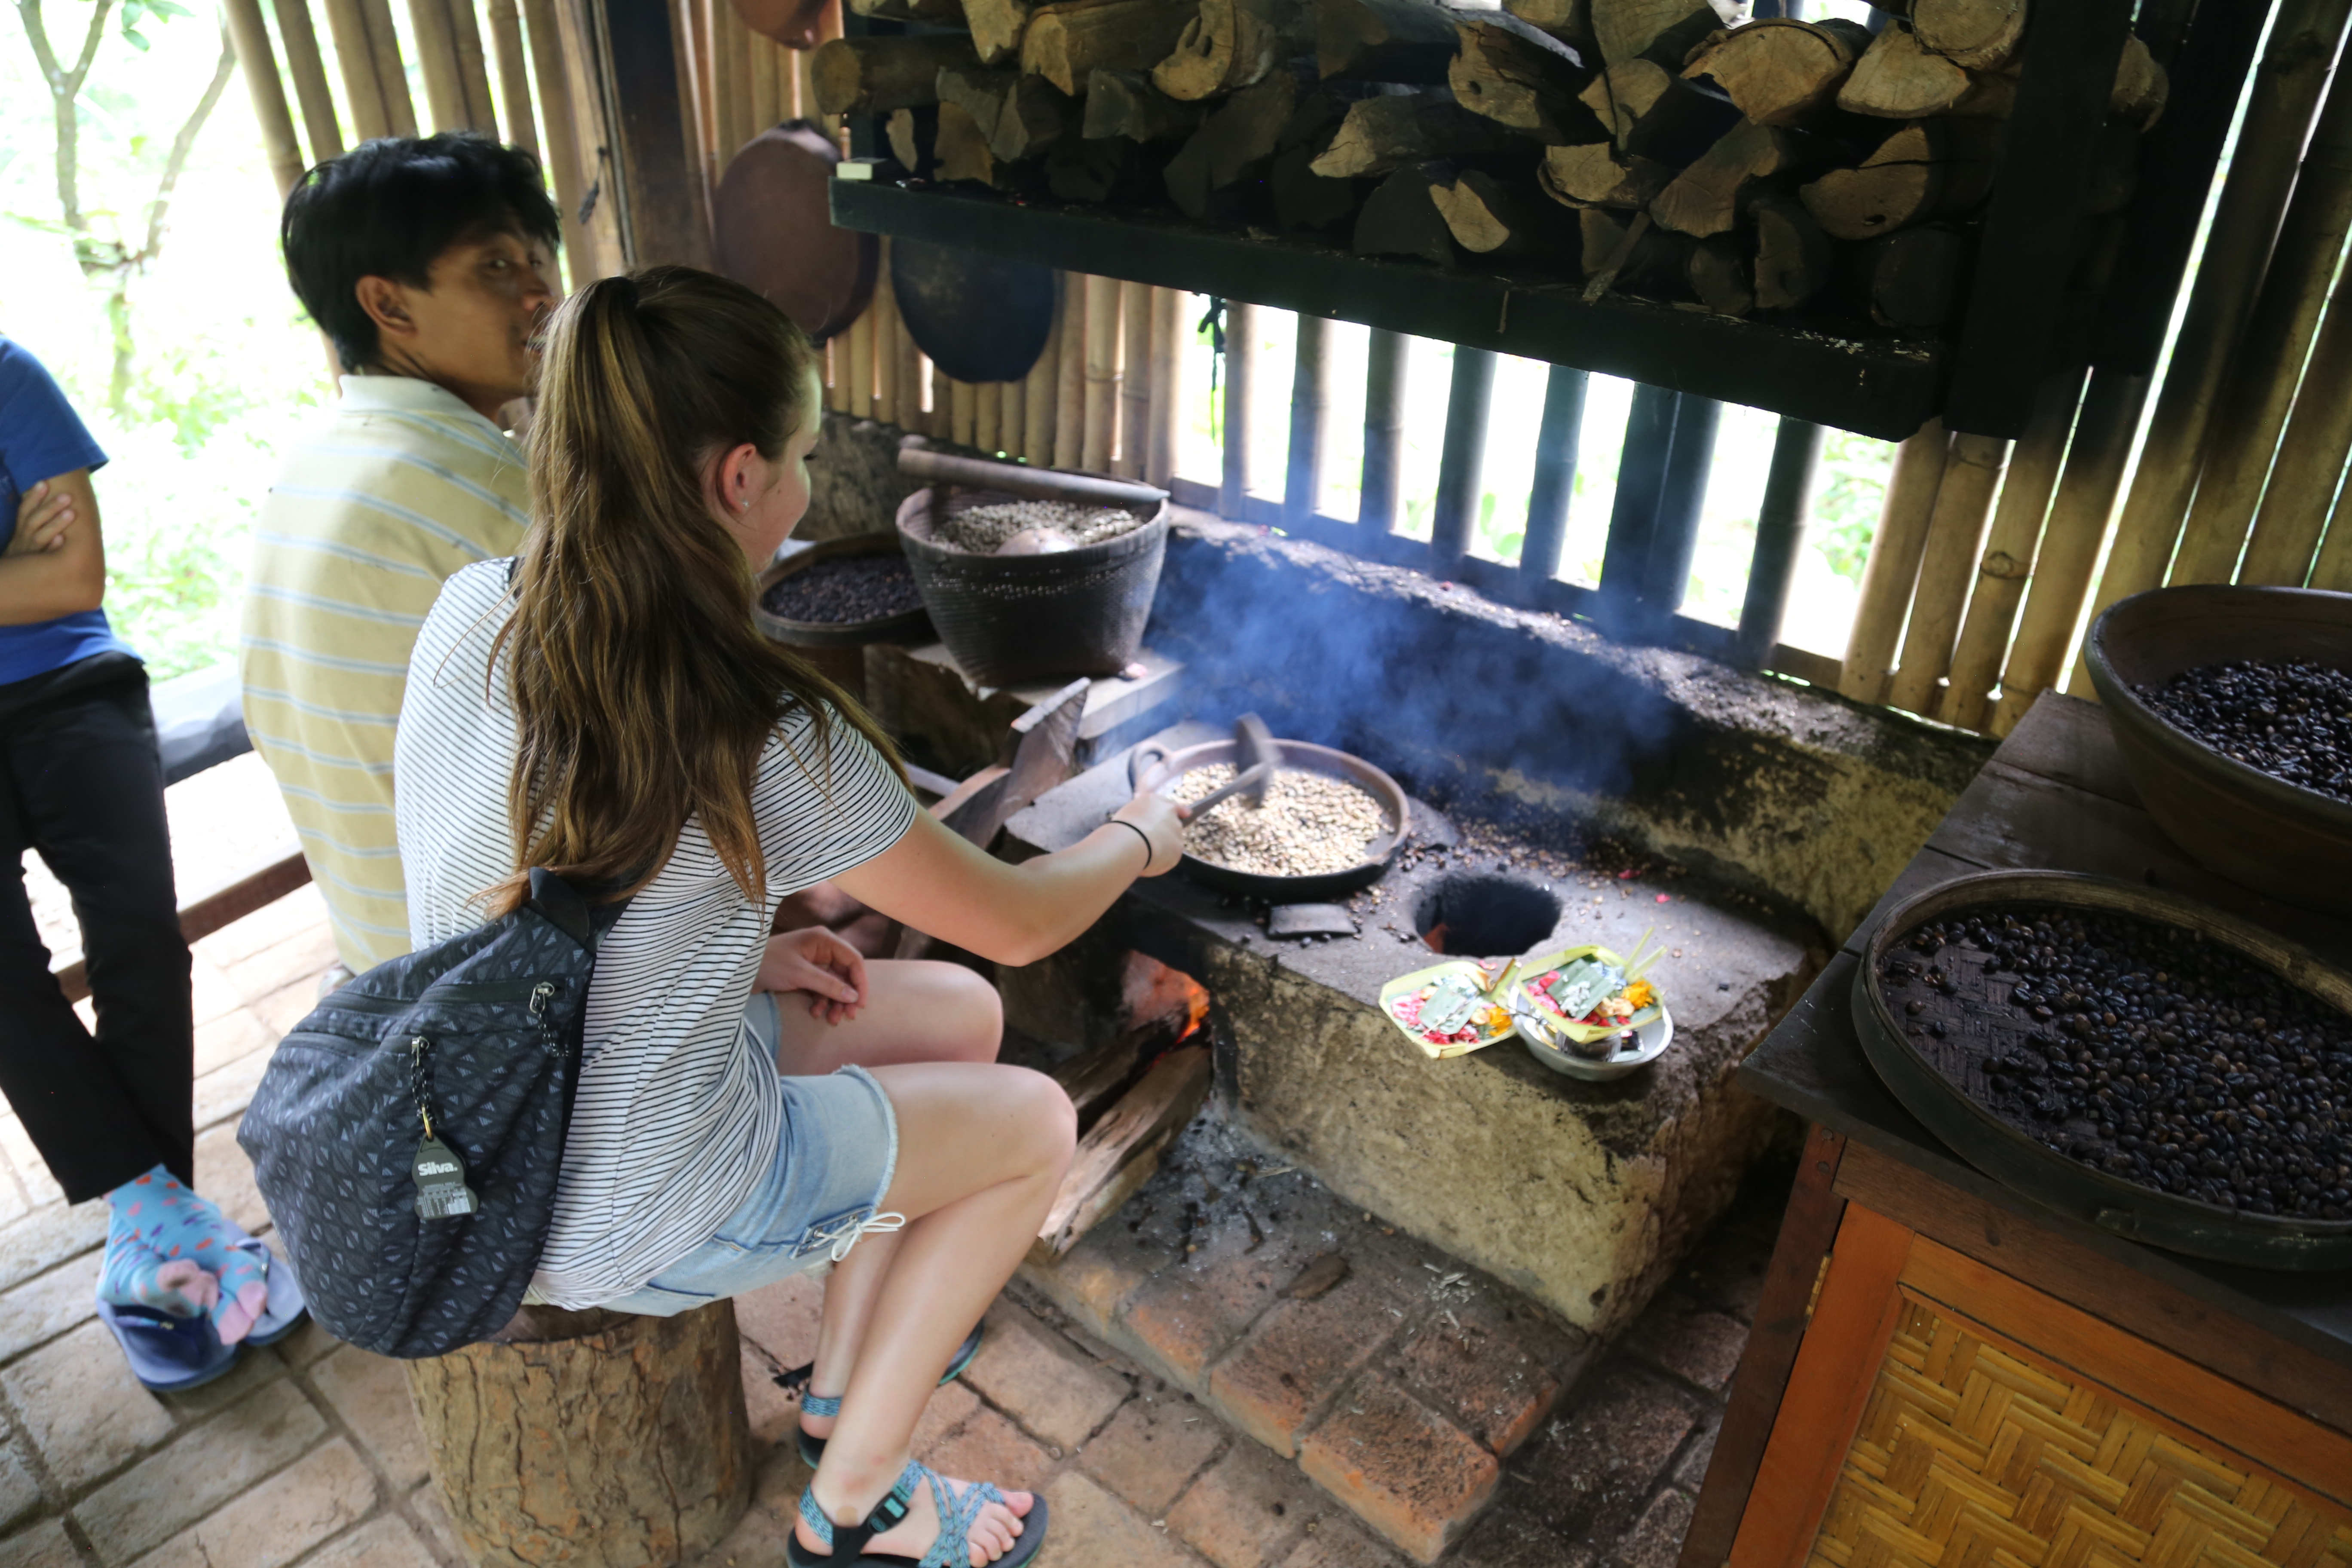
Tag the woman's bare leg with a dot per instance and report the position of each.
(918, 1012)
(982, 1153)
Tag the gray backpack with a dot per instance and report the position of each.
(407, 1134)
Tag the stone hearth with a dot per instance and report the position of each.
(1582, 1195)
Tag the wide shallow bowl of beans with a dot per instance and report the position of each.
(842, 592)
(2232, 709)
(2132, 1059)
(1331, 822)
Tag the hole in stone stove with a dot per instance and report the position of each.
(1485, 916)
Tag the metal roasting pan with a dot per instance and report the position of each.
(1150, 766)
(2008, 1155)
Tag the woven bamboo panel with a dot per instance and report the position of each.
(1970, 1457)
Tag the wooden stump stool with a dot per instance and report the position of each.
(591, 1439)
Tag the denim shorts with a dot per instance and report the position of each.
(836, 1153)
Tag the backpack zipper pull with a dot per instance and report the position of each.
(540, 996)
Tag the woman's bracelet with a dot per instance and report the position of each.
(1148, 853)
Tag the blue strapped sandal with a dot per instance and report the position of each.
(797, 1381)
(957, 1512)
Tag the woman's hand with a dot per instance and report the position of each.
(815, 961)
(1162, 822)
(43, 515)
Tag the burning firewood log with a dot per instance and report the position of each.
(875, 76)
(1399, 218)
(1125, 103)
(1596, 174)
(1231, 45)
(1383, 134)
(1927, 170)
(1518, 77)
(1779, 72)
(1711, 195)
(1508, 219)
(1383, 40)
(1066, 42)
(1647, 109)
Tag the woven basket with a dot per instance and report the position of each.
(1009, 618)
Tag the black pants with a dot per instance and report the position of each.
(79, 782)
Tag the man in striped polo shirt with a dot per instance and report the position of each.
(430, 265)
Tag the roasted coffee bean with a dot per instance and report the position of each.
(2293, 720)
(845, 590)
(2200, 1074)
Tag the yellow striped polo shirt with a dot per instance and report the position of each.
(371, 514)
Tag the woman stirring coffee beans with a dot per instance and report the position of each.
(605, 706)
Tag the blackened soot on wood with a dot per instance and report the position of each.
(2293, 721)
(2139, 1050)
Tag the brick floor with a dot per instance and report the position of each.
(1513, 1442)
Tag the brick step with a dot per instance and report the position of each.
(1398, 1379)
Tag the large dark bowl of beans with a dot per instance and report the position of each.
(2129, 1057)
(2232, 709)
(842, 592)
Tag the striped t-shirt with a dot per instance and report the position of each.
(678, 1114)
(404, 485)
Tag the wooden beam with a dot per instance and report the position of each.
(664, 215)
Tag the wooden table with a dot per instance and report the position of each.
(1945, 1373)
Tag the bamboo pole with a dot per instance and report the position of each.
(1166, 385)
(696, 18)
(1135, 384)
(1893, 568)
(1103, 322)
(2008, 560)
(2311, 459)
(1037, 397)
(391, 70)
(309, 70)
(2248, 419)
(942, 404)
(735, 59)
(767, 95)
(437, 61)
(836, 375)
(885, 311)
(1238, 416)
(347, 23)
(2333, 568)
(1013, 419)
(1070, 381)
(861, 366)
(727, 110)
(2303, 41)
(514, 73)
(987, 417)
(1956, 536)
(473, 68)
(250, 34)
(2070, 542)
(964, 412)
(914, 379)
(563, 141)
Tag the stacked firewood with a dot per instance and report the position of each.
(1666, 149)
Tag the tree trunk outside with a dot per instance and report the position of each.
(591, 1439)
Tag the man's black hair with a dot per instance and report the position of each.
(388, 207)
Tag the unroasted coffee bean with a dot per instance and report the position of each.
(2139, 1050)
(2290, 720)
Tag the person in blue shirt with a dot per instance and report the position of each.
(110, 1110)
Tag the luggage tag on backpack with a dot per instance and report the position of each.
(441, 1189)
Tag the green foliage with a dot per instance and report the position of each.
(1852, 493)
(137, 11)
